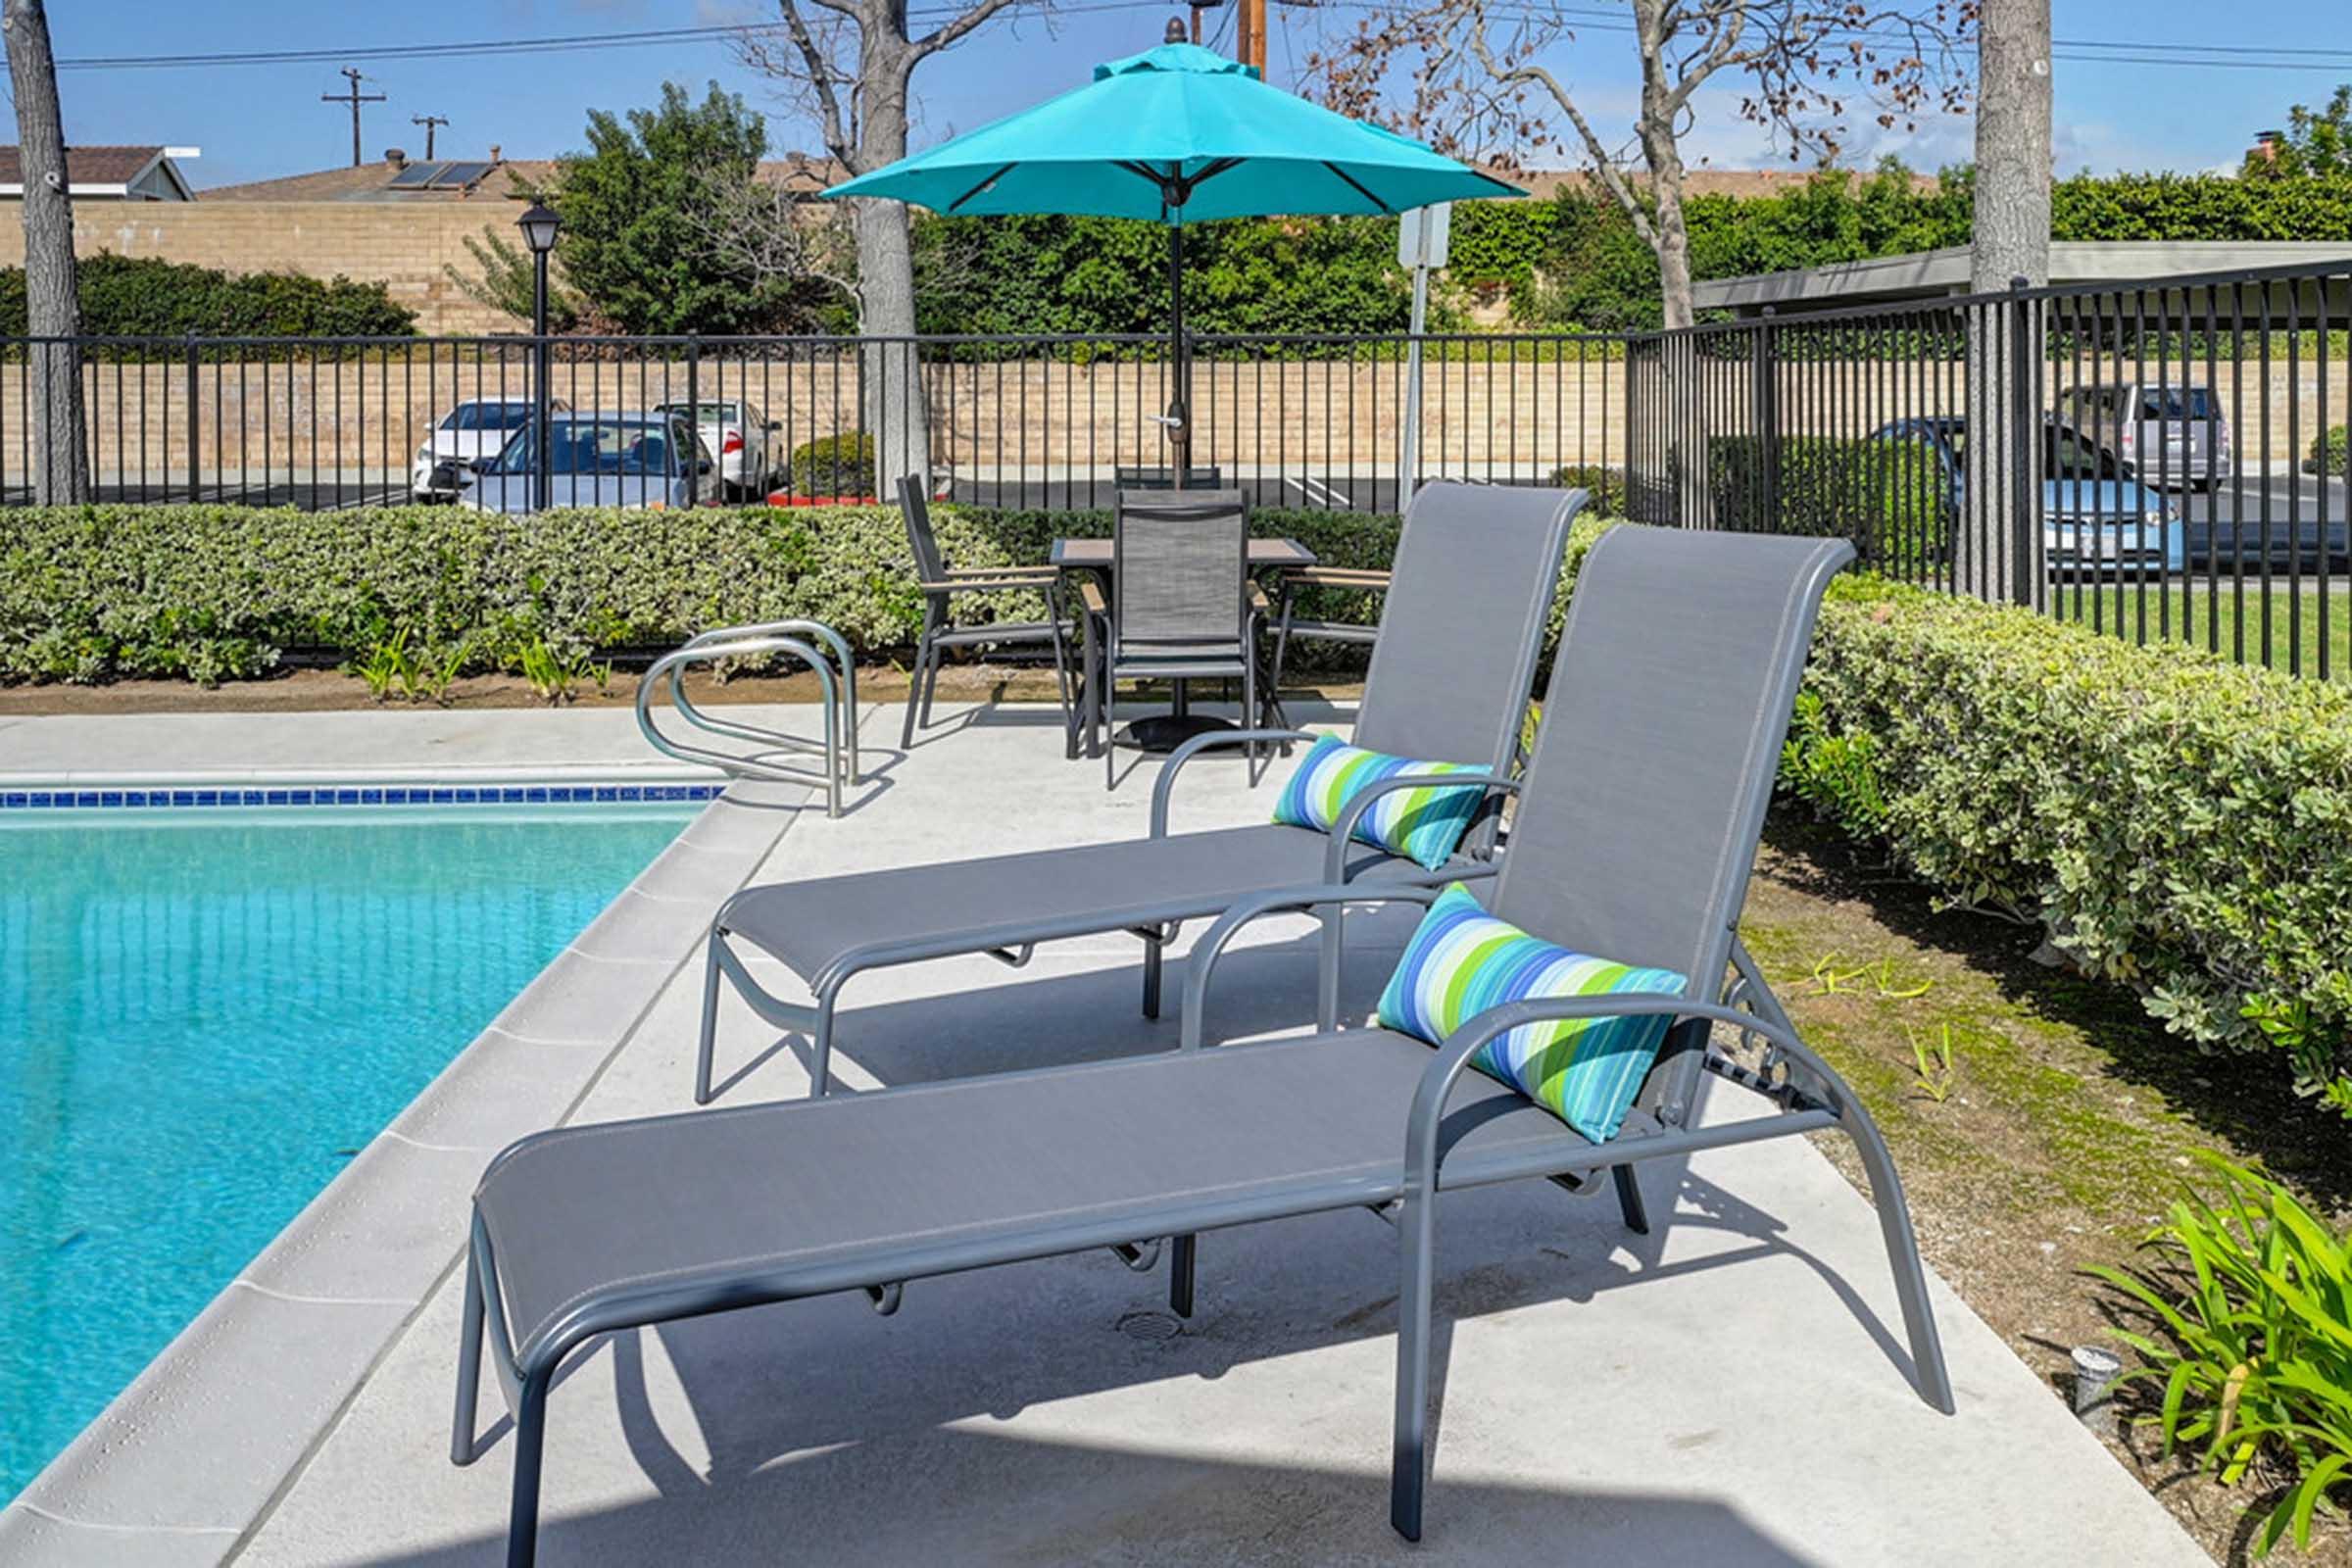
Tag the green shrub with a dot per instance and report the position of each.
(2249, 1312)
(2330, 453)
(1890, 498)
(140, 298)
(1608, 485)
(835, 466)
(2178, 822)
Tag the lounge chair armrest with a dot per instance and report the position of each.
(1163, 787)
(1090, 594)
(1203, 961)
(1038, 574)
(1339, 577)
(1445, 1070)
(1335, 854)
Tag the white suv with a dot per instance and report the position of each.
(2169, 436)
(737, 433)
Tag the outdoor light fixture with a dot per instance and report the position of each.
(538, 226)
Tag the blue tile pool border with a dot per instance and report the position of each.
(213, 797)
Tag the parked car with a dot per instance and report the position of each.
(738, 434)
(2174, 436)
(633, 459)
(2093, 518)
(466, 435)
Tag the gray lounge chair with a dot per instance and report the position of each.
(1667, 712)
(1448, 682)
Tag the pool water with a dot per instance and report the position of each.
(204, 1016)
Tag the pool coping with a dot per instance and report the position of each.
(190, 1457)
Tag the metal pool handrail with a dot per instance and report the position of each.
(778, 628)
(746, 642)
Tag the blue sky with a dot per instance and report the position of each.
(254, 121)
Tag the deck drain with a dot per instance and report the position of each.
(1153, 1328)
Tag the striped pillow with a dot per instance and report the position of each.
(1424, 824)
(1586, 1071)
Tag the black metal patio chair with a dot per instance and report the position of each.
(941, 585)
(1635, 834)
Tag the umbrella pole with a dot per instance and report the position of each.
(1180, 413)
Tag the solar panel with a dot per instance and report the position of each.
(417, 176)
(454, 174)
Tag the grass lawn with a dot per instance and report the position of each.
(2192, 612)
(2058, 1128)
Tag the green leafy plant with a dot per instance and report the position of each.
(1932, 1065)
(554, 676)
(2248, 1312)
(425, 676)
(834, 466)
(143, 296)
(2330, 452)
(383, 665)
(2177, 824)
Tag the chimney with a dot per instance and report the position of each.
(396, 157)
(494, 154)
(2266, 145)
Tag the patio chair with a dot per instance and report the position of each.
(1183, 606)
(941, 585)
(1289, 625)
(1448, 682)
(1635, 836)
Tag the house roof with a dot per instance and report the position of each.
(506, 178)
(1943, 273)
(105, 169)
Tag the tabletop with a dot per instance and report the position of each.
(1093, 555)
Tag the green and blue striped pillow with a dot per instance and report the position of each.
(1425, 824)
(1586, 1071)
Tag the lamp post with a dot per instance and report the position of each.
(539, 226)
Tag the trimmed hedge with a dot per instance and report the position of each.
(2331, 452)
(2178, 822)
(834, 466)
(139, 297)
(1889, 497)
(212, 593)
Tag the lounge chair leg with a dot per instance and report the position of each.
(1902, 1251)
(1327, 974)
(1417, 1227)
(1629, 1200)
(470, 1366)
(530, 1438)
(1151, 966)
(707, 1048)
(1181, 1257)
(820, 1047)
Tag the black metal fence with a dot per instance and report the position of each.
(2163, 459)
(1020, 422)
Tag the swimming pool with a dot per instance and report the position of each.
(203, 1014)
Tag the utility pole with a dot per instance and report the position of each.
(354, 98)
(428, 122)
(1249, 35)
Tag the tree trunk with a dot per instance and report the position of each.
(1998, 552)
(1687, 437)
(897, 406)
(61, 458)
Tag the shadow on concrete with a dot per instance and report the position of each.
(880, 1503)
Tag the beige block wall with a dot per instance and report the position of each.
(400, 245)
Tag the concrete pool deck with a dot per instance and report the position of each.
(1746, 1403)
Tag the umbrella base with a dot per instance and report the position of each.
(1164, 732)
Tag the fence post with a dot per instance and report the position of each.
(193, 444)
(1764, 396)
(2025, 425)
(1625, 359)
(694, 420)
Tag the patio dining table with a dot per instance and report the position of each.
(1163, 732)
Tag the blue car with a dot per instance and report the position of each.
(2093, 520)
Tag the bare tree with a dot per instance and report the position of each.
(1997, 554)
(849, 64)
(60, 454)
(1481, 86)
(766, 232)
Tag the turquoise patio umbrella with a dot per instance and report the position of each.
(1176, 134)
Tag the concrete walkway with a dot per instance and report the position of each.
(1729, 1391)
